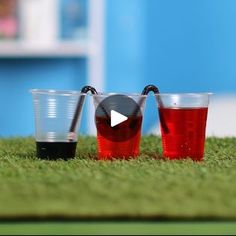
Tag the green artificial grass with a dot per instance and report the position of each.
(144, 188)
(118, 228)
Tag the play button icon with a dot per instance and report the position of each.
(117, 118)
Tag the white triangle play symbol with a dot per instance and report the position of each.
(117, 118)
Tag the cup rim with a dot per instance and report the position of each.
(56, 92)
(100, 94)
(184, 94)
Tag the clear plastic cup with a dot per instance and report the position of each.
(183, 119)
(54, 113)
(123, 140)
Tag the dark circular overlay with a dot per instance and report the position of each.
(125, 106)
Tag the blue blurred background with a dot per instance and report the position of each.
(178, 45)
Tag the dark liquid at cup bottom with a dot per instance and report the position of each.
(56, 150)
(183, 132)
(109, 149)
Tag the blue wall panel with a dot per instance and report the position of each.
(18, 76)
(179, 45)
(125, 45)
(126, 48)
(191, 45)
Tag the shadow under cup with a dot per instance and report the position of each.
(123, 140)
(183, 120)
(54, 112)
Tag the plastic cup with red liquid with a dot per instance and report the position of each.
(121, 141)
(183, 119)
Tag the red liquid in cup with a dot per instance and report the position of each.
(108, 149)
(183, 132)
